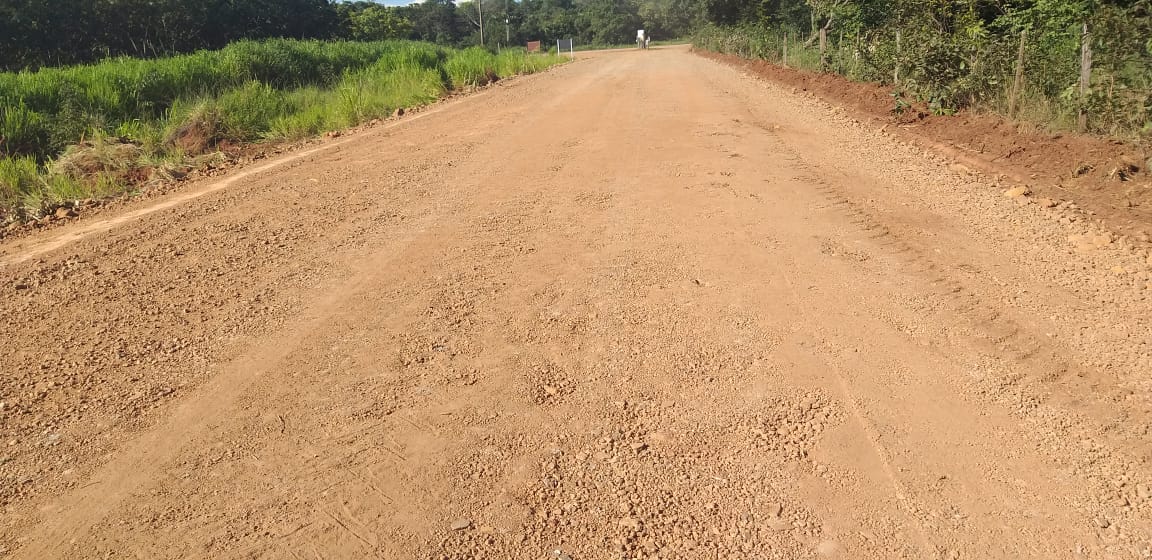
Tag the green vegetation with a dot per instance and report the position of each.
(81, 131)
(964, 54)
(31, 31)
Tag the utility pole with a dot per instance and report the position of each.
(480, 11)
(507, 29)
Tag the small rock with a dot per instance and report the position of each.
(778, 524)
(630, 523)
(399, 112)
(1102, 523)
(639, 446)
(63, 212)
(5, 459)
(558, 555)
(775, 509)
(461, 524)
(552, 391)
(1143, 491)
(1017, 191)
(1046, 203)
(21, 286)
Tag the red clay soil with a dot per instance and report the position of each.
(1104, 176)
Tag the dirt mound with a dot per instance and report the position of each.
(1105, 176)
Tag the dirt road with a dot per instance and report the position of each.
(640, 306)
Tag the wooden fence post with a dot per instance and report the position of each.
(823, 45)
(856, 54)
(785, 48)
(1085, 77)
(1018, 78)
(896, 69)
(840, 54)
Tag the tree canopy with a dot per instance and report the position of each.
(31, 31)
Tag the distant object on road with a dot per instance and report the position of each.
(533, 46)
(642, 39)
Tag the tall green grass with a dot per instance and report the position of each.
(247, 92)
(471, 67)
(43, 111)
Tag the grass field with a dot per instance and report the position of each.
(79, 132)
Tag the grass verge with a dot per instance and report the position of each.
(93, 131)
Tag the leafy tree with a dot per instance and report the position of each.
(435, 21)
(366, 21)
(607, 22)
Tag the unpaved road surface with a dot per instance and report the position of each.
(640, 306)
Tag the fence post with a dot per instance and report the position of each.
(785, 48)
(823, 45)
(856, 54)
(843, 64)
(1085, 77)
(896, 69)
(1018, 78)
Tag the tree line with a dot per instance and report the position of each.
(1059, 60)
(36, 33)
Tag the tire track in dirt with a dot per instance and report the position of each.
(679, 324)
(872, 436)
(1000, 338)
